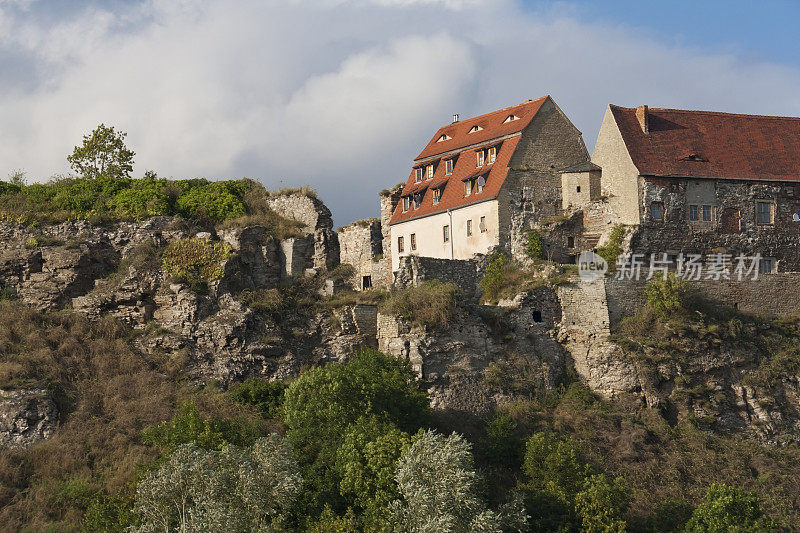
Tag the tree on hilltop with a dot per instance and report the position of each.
(103, 154)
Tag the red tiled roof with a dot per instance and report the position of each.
(492, 124)
(707, 144)
(453, 193)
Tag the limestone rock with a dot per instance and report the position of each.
(27, 416)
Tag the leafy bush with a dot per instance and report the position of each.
(613, 248)
(266, 395)
(666, 295)
(729, 508)
(195, 261)
(216, 201)
(429, 304)
(601, 504)
(502, 447)
(534, 247)
(232, 489)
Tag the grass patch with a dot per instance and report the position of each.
(430, 304)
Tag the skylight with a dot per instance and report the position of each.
(475, 128)
(511, 118)
(443, 138)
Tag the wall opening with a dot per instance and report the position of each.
(537, 316)
(366, 282)
(571, 242)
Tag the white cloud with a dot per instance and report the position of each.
(341, 94)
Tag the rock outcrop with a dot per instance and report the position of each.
(27, 416)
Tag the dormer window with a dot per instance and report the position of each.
(429, 171)
(443, 138)
(468, 187)
(406, 203)
(511, 118)
(437, 195)
(418, 199)
(417, 175)
(492, 155)
(481, 158)
(480, 183)
(448, 167)
(475, 129)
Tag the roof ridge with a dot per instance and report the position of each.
(706, 112)
(529, 101)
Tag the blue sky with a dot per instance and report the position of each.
(342, 94)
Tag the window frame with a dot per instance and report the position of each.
(418, 173)
(710, 208)
(478, 187)
(446, 233)
(406, 203)
(429, 170)
(696, 213)
(436, 197)
(482, 224)
(491, 156)
(413, 242)
(468, 186)
(448, 167)
(469, 228)
(481, 158)
(660, 206)
(771, 212)
(400, 245)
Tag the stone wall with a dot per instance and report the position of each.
(389, 199)
(770, 295)
(319, 248)
(465, 274)
(361, 246)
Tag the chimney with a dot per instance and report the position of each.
(641, 116)
(455, 118)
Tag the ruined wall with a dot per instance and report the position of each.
(532, 191)
(389, 198)
(769, 295)
(360, 245)
(319, 248)
(413, 270)
(733, 228)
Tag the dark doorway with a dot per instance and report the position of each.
(366, 282)
(537, 316)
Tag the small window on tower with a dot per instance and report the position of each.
(578, 188)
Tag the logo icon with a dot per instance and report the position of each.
(591, 266)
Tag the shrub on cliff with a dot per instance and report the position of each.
(729, 508)
(666, 295)
(534, 247)
(195, 261)
(613, 247)
(429, 304)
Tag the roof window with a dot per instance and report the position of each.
(511, 118)
(444, 137)
(475, 129)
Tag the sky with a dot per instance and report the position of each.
(343, 94)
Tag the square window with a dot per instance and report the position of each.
(482, 225)
(430, 171)
(706, 213)
(694, 213)
(400, 245)
(448, 167)
(492, 155)
(764, 213)
(767, 265)
(413, 241)
(418, 175)
(469, 228)
(481, 158)
(657, 211)
(446, 233)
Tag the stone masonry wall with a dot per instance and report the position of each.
(319, 248)
(466, 274)
(360, 245)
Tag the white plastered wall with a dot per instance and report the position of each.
(430, 242)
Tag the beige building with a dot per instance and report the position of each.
(484, 182)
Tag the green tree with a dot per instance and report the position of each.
(502, 446)
(729, 509)
(232, 489)
(601, 504)
(366, 462)
(666, 295)
(439, 486)
(534, 247)
(322, 403)
(102, 154)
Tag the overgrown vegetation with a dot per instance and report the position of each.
(429, 304)
(534, 247)
(613, 248)
(195, 261)
(505, 278)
